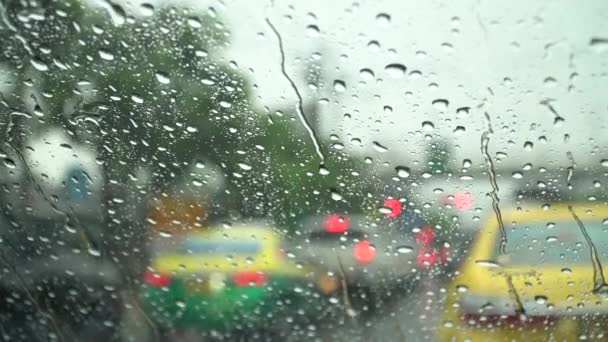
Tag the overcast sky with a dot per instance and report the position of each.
(503, 58)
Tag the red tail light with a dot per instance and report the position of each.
(156, 279)
(247, 278)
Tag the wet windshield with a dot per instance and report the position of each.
(312, 170)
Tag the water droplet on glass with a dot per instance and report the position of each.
(195, 23)
(373, 45)
(244, 166)
(323, 171)
(339, 86)
(428, 126)
(147, 9)
(462, 111)
(466, 163)
(440, 104)
(487, 263)
(367, 74)
(404, 249)
(380, 148)
(528, 146)
(9, 163)
(599, 44)
(551, 239)
(395, 70)
(517, 175)
(106, 55)
(402, 171)
(94, 252)
(462, 288)
(385, 210)
(383, 19)
(566, 270)
(604, 162)
(335, 195)
(540, 299)
(162, 78)
(312, 30)
(39, 65)
(137, 98)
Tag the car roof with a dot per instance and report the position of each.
(553, 212)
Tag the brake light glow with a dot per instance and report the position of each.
(156, 279)
(364, 252)
(335, 223)
(394, 205)
(249, 278)
(463, 200)
(425, 236)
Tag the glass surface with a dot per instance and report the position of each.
(303, 170)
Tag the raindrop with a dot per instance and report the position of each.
(117, 13)
(380, 148)
(335, 195)
(599, 44)
(367, 74)
(551, 239)
(459, 129)
(137, 98)
(402, 171)
(604, 162)
(487, 263)
(162, 78)
(94, 252)
(517, 175)
(540, 299)
(395, 70)
(528, 146)
(312, 30)
(39, 65)
(195, 23)
(338, 146)
(373, 45)
(339, 86)
(180, 304)
(440, 104)
(244, 166)
(550, 82)
(385, 210)
(165, 234)
(404, 249)
(466, 163)
(323, 171)
(106, 55)
(566, 270)
(462, 111)
(462, 288)
(383, 19)
(9, 163)
(428, 126)
(147, 9)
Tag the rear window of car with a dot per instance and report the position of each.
(544, 243)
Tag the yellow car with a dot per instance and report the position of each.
(546, 284)
(226, 278)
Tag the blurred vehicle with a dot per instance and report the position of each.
(373, 257)
(234, 278)
(546, 286)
